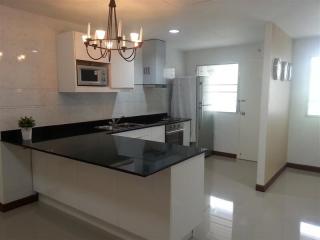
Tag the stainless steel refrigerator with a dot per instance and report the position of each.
(188, 99)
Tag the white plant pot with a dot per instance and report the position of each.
(26, 133)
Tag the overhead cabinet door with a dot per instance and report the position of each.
(122, 72)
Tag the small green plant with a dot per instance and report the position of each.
(26, 122)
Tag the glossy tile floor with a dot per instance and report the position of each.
(289, 211)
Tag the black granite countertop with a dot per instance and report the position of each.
(134, 156)
(74, 129)
(84, 142)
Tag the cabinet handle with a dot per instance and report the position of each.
(146, 70)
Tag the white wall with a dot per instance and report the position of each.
(249, 57)
(174, 59)
(274, 115)
(31, 87)
(304, 131)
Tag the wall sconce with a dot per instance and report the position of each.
(289, 77)
(276, 69)
(281, 70)
(284, 71)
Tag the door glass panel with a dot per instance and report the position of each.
(223, 102)
(204, 115)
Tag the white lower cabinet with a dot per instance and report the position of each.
(156, 134)
(164, 206)
(15, 173)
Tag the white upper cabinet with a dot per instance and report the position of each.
(70, 48)
(138, 67)
(122, 72)
(81, 51)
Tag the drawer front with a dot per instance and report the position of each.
(156, 134)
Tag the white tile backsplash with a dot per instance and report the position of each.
(30, 87)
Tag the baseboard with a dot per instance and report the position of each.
(304, 167)
(224, 154)
(260, 188)
(18, 203)
(263, 188)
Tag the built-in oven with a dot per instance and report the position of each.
(174, 133)
(92, 73)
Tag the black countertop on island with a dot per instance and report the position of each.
(84, 143)
(134, 156)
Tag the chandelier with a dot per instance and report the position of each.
(103, 43)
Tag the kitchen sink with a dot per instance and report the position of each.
(120, 126)
(128, 125)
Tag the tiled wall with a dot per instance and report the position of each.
(30, 87)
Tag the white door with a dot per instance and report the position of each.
(249, 109)
(235, 98)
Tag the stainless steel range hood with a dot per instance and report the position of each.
(152, 63)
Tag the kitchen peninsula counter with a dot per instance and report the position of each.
(130, 155)
(133, 188)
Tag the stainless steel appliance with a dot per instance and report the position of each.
(92, 73)
(174, 133)
(205, 120)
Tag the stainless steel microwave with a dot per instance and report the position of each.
(92, 73)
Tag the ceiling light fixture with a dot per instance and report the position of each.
(174, 31)
(104, 42)
(21, 57)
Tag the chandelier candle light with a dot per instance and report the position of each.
(104, 42)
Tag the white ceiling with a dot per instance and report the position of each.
(203, 23)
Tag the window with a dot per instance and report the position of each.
(314, 88)
(220, 88)
(310, 231)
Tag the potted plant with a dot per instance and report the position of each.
(26, 124)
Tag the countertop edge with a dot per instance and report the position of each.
(108, 167)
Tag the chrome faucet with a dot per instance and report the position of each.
(115, 121)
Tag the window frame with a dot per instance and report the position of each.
(308, 94)
(238, 85)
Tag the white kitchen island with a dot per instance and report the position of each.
(133, 188)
